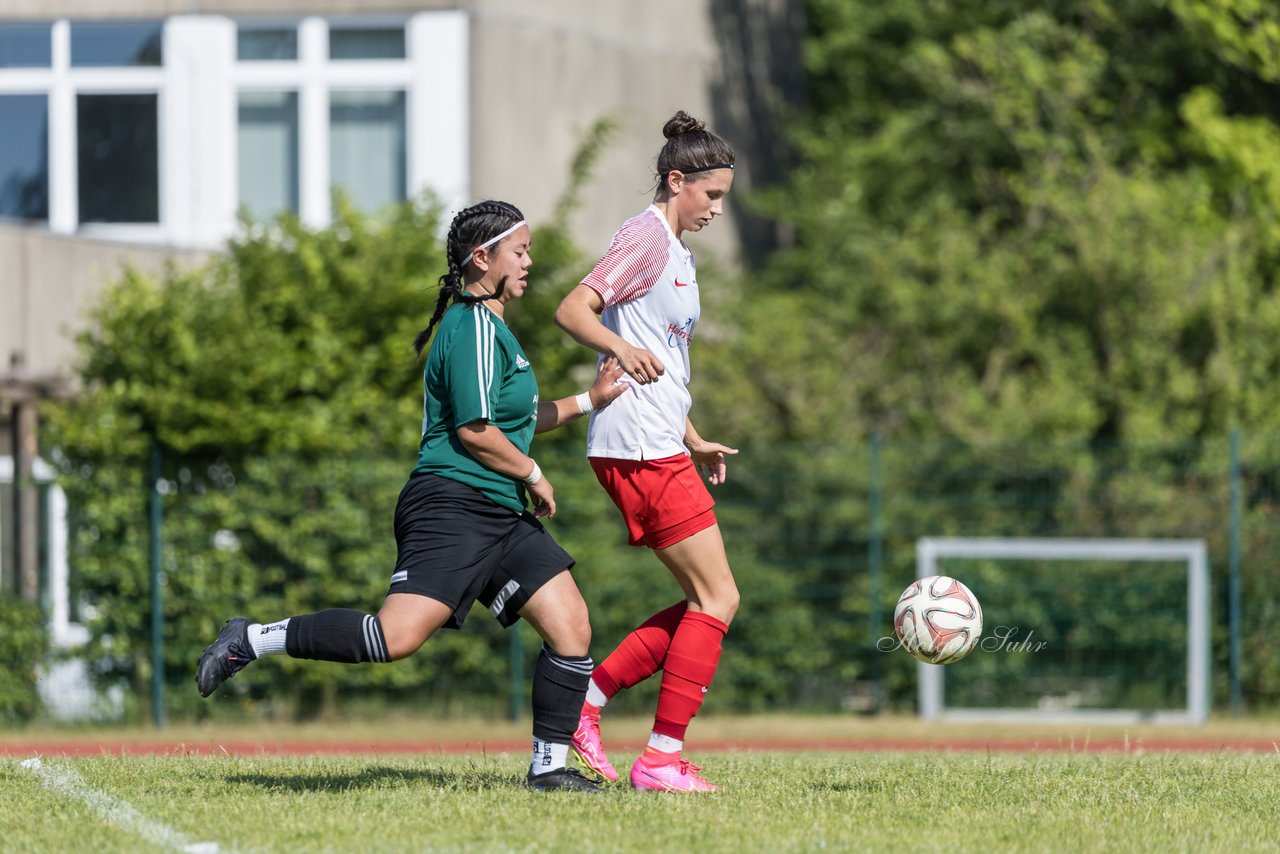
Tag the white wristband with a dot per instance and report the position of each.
(584, 402)
(533, 476)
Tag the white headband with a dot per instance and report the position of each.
(491, 241)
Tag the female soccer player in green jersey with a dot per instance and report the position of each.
(462, 528)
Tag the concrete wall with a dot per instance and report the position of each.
(543, 72)
(47, 282)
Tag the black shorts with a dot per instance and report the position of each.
(456, 546)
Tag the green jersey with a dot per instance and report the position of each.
(476, 371)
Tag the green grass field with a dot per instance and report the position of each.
(773, 801)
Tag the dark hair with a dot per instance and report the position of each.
(690, 147)
(470, 228)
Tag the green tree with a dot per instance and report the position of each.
(1014, 223)
(26, 644)
(1015, 226)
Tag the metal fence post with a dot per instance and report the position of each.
(157, 599)
(1233, 590)
(875, 560)
(517, 673)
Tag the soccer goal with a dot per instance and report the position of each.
(1059, 618)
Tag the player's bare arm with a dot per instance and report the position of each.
(606, 388)
(493, 450)
(579, 315)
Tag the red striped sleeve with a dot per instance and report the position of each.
(634, 263)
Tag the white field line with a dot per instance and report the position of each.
(113, 811)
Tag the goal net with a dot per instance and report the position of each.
(1083, 630)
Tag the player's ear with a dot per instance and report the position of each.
(675, 181)
(480, 260)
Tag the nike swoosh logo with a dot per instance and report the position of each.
(680, 284)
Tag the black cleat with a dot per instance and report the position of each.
(569, 779)
(225, 657)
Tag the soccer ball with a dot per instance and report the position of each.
(938, 620)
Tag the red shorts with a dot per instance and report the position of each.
(663, 501)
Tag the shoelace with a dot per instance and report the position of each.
(687, 767)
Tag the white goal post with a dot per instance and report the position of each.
(931, 551)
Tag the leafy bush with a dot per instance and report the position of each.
(24, 639)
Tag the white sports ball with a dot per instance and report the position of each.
(938, 620)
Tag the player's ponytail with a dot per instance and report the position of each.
(471, 228)
(690, 148)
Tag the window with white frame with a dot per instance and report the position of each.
(80, 108)
(357, 41)
(327, 105)
(367, 146)
(117, 158)
(115, 44)
(159, 131)
(24, 157)
(267, 42)
(26, 45)
(267, 146)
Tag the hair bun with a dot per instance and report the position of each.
(681, 123)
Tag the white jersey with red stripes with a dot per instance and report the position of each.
(650, 292)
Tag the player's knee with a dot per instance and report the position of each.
(578, 632)
(402, 648)
(403, 641)
(722, 603)
(729, 606)
(733, 607)
(572, 632)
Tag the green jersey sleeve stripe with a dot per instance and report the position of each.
(484, 358)
(491, 344)
(479, 329)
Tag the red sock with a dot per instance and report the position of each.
(654, 756)
(687, 672)
(641, 653)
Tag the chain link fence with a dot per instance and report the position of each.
(821, 539)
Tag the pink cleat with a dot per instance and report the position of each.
(679, 776)
(587, 744)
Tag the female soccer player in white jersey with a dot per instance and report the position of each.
(640, 306)
(462, 530)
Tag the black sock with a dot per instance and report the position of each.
(559, 687)
(337, 634)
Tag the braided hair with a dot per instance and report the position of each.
(470, 228)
